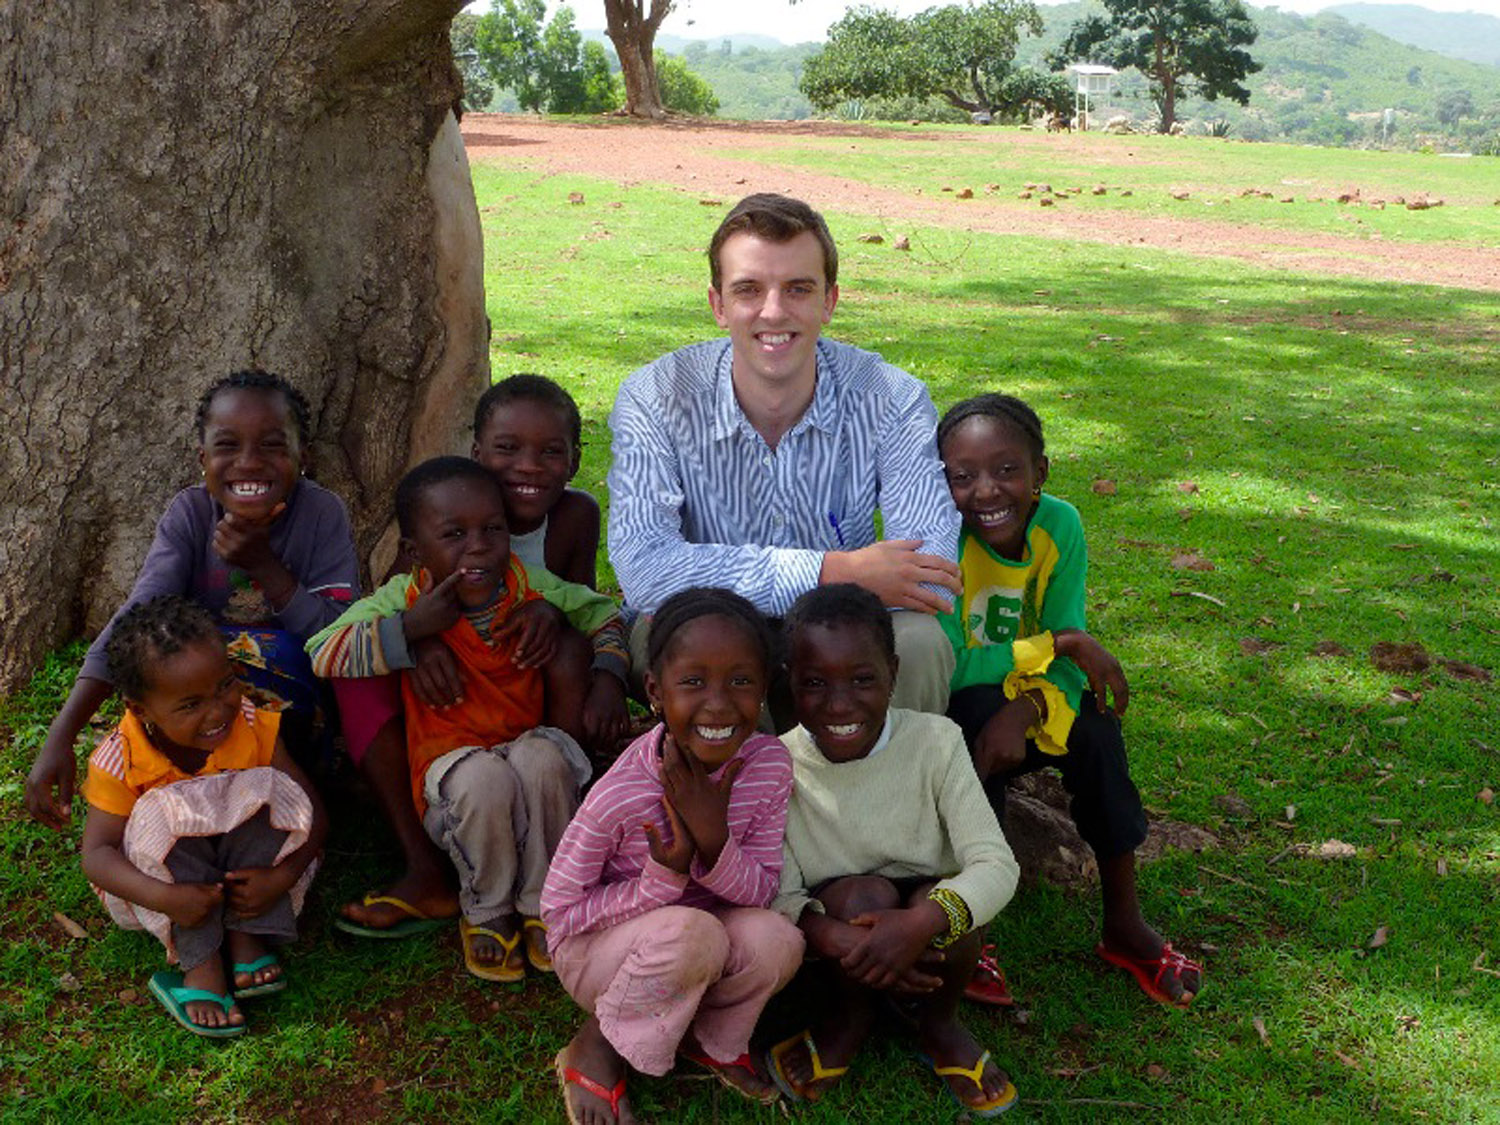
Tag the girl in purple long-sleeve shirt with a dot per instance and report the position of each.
(656, 900)
(266, 551)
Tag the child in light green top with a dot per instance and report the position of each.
(893, 861)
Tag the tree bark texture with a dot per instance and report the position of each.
(631, 26)
(193, 188)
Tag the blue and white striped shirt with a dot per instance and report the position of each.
(697, 497)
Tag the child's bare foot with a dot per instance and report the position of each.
(592, 1076)
(1163, 973)
(976, 1081)
(743, 1075)
(428, 893)
(248, 949)
(812, 1062)
(209, 976)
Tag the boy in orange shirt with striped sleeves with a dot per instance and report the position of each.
(495, 786)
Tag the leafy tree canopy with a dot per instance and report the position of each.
(963, 54)
(479, 88)
(547, 68)
(682, 91)
(1183, 47)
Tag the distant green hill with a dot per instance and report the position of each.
(1459, 35)
(1325, 80)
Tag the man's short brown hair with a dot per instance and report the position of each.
(775, 218)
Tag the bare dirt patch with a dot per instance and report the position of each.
(704, 158)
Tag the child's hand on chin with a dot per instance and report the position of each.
(254, 890)
(436, 610)
(191, 904)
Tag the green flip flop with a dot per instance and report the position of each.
(415, 923)
(252, 967)
(168, 988)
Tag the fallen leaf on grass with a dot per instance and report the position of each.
(1190, 560)
(1346, 1060)
(1234, 806)
(377, 1085)
(1254, 646)
(1188, 487)
(575, 198)
(1260, 1029)
(1401, 695)
(1442, 866)
(1291, 812)
(67, 982)
(1388, 656)
(1335, 849)
(1329, 648)
(1487, 795)
(1156, 1070)
(1381, 936)
(1103, 487)
(1462, 670)
(68, 926)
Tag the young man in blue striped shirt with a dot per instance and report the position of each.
(758, 462)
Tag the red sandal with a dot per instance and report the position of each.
(987, 985)
(566, 1074)
(724, 1071)
(1149, 971)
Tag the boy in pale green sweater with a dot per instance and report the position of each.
(893, 861)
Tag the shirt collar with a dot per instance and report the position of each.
(729, 417)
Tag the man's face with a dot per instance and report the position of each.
(774, 302)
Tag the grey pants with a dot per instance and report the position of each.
(499, 812)
(206, 859)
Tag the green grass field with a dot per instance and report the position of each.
(1328, 448)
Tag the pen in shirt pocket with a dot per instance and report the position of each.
(833, 522)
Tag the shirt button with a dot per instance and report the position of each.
(766, 460)
(778, 519)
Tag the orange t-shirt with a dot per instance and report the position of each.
(125, 766)
(501, 702)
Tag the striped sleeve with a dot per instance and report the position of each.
(576, 898)
(104, 788)
(748, 871)
(352, 645)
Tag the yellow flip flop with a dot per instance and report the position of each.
(784, 1083)
(413, 924)
(500, 971)
(541, 962)
(1000, 1103)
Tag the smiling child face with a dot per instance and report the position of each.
(528, 445)
(250, 453)
(709, 687)
(459, 526)
(192, 696)
(994, 476)
(841, 679)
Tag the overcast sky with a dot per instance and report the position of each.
(809, 19)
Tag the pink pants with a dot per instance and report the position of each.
(652, 978)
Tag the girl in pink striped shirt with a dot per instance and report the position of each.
(656, 899)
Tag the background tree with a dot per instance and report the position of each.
(1453, 105)
(191, 189)
(1183, 47)
(962, 54)
(632, 26)
(479, 89)
(547, 68)
(682, 91)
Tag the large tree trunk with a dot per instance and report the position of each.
(632, 29)
(189, 189)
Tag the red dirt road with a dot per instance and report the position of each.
(702, 158)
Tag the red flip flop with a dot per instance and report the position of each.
(566, 1074)
(724, 1072)
(1149, 971)
(987, 985)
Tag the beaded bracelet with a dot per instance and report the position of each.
(960, 921)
